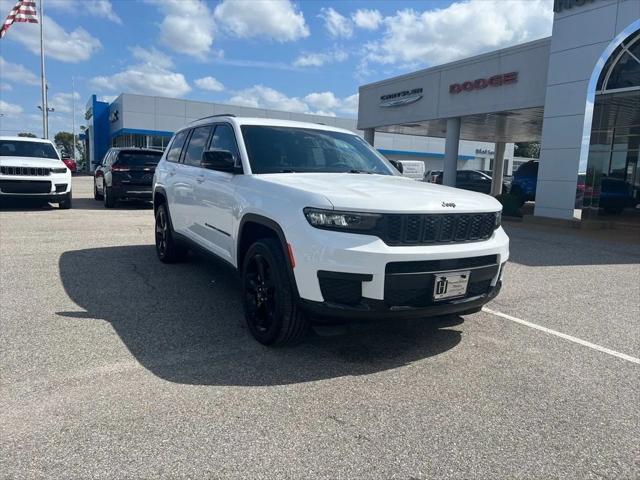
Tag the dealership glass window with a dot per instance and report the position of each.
(622, 69)
(158, 142)
(625, 74)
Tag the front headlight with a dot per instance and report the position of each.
(498, 219)
(59, 170)
(334, 220)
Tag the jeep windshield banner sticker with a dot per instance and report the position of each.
(401, 98)
(482, 83)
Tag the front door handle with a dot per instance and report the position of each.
(199, 179)
(172, 172)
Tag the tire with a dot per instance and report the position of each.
(168, 250)
(96, 195)
(270, 304)
(108, 198)
(65, 204)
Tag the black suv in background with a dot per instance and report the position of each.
(473, 180)
(125, 173)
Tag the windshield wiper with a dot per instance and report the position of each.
(359, 171)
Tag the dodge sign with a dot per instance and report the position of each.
(482, 83)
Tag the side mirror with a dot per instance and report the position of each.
(397, 165)
(220, 160)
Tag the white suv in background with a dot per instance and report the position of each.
(320, 225)
(32, 168)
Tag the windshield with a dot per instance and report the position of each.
(139, 159)
(21, 148)
(287, 149)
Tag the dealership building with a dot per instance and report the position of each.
(148, 121)
(576, 92)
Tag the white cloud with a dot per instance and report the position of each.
(260, 96)
(317, 59)
(319, 103)
(151, 77)
(5, 87)
(460, 30)
(9, 109)
(350, 104)
(209, 83)
(14, 72)
(367, 19)
(95, 8)
(274, 19)
(323, 100)
(151, 56)
(337, 25)
(188, 26)
(63, 102)
(71, 47)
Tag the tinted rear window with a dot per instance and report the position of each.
(20, 148)
(139, 158)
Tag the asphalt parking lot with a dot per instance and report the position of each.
(113, 365)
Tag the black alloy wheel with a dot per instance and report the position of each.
(162, 232)
(260, 294)
(166, 247)
(96, 195)
(269, 297)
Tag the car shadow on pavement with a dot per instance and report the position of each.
(25, 205)
(184, 323)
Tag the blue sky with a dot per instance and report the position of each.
(305, 56)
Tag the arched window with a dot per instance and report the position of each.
(622, 70)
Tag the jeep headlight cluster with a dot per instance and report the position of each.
(335, 220)
(59, 170)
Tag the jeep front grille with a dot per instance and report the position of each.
(424, 229)
(26, 171)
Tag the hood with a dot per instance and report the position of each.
(34, 162)
(385, 193)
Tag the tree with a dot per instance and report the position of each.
(64, 140)
(27, 134)
(527, 150)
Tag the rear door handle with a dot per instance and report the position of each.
(200, 179)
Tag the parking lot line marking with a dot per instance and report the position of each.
(599, 348)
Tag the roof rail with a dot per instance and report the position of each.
(213, 116)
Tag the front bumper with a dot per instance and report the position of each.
(318, 250)
(378, 309)
(47, 188)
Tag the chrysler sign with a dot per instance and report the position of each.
(401, 98)
(482, 83)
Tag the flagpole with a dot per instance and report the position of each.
(43, 81)
(73, 119)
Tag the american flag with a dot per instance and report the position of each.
(24, 11)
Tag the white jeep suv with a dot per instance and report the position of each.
(320, 225)
(31, 168)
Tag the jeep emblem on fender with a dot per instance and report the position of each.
(449, 204)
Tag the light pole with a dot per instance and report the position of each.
(73, 118)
